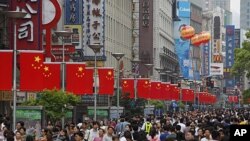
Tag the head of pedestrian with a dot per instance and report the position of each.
(189, 136)
(78, 136)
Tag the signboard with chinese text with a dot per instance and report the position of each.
(29, 30)
(73, 12)
(230, 46)
(206, 59)
(93, 28)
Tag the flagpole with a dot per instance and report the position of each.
(135, 63)
(118, 57)
(96, 49)
(63, 34)
(148, 67)
(15, 15)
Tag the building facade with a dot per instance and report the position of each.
(156, 40)
(211, 4)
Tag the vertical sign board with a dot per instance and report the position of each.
(73, 12)
(29, 33)
(237, 44)
(183, 46)
(76, 37)
(93, 28)
(206, 59)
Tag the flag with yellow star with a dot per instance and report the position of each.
(128, 87)
(51, 75)
(155, 90)
(143, 88)
(174, 91)
(6, 69)
(165, 91)
(106, 81)
(75, 74)
(31, 67)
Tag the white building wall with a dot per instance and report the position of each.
(118, 31)
(163, 31)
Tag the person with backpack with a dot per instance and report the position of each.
(147, 126)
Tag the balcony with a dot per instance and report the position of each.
(165, 52)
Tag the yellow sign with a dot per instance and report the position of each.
(6, 96)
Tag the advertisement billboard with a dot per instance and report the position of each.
(230, 46)
(93, 28)
(73, 12)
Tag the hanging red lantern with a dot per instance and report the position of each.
(187, 32)
(195, 40)
(204, 37)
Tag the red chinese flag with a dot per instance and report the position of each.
(143, 88)
(31, 70)
(6, 67)
(174, 92)
(106, 81)
(128, 87)
(165, 91)
(88, 81)
(191, 93)
(75, 77)
(235, 99)
(230, 99)
(185, 94)
(51, 75)
(155, 90)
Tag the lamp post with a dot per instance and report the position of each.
(14, 15)
(135, 62)
(96, 49)
(63, 34)
(159, 70)
(118, 57)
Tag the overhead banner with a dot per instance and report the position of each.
(93, 28)
(216, 69)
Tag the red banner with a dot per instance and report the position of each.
(51, 75)
(29, 29)
(128, 87)
(174, 91)
(31, 70)
(6, 70)
(155, 90)
(143, 88)
(106, 81)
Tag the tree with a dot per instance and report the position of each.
(241, 59)
(54, 102)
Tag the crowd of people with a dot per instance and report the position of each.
(213, 125)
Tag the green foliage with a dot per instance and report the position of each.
(181, 105)
(241, 59)
(158, 104)
(54, 102)
(246, 96)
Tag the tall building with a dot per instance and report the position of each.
(245, 14)
(211, 4)
(156, 40)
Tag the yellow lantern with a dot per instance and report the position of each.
(187, 32)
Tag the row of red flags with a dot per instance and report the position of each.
(162, 91)
(233, 99)
(37, 75)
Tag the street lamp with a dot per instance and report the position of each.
(118, 57)
(15, 15)
(63, 34)
(159, 70)
(135, 62)
(96, 49)
(149, 67)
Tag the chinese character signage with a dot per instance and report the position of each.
(29, 33)
(216, 69)
(93, 27)
(216, 47)
(76, 37)
(230, 46)
(73, 12)
(206, 59)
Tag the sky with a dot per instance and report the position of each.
(235, 8)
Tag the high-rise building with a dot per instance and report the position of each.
(245, 14)
(211, 4)
(156, 40)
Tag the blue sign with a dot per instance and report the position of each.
(184, 9)
(72, 12)
(230, 46)
(206, 59)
